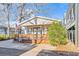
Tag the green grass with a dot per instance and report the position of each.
(6, 37)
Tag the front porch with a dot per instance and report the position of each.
(34, 30)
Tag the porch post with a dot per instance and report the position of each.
(25, 30)
(41, 32)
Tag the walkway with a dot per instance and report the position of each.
(36, 50)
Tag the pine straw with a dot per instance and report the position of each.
(68, 47)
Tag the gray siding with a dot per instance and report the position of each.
(72, 19)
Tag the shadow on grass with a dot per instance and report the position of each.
(57, 53)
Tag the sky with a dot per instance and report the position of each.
(51, 10)
(55, 10)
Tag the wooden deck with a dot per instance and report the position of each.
(31, 38)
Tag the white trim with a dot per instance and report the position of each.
(46, 18)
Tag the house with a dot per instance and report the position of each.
(4, 29)
(35, 29)
(71, 22)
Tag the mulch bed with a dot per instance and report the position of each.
(62, 50)
(68, 47)
(57, 53)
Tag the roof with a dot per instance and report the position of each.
(38, 20)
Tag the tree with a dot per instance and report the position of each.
(57, 34)
(6, 9)
(32, 10)
(24, 14)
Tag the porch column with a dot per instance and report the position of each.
(33, 33)
(41, 32)
(25, 30)
(36, 33)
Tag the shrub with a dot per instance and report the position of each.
(57, 34)
(3, 37)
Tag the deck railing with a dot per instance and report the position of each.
(40, 39)
(32, 36)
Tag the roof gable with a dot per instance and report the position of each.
(37, 21)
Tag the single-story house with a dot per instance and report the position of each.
(35, 29)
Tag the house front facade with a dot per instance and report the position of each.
(71, 22)
(35, 29)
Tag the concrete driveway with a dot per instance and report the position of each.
(11, 48)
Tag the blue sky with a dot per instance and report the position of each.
(51, 10)
(55, 10)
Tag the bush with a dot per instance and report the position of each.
(57, 34)
(3, 37)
